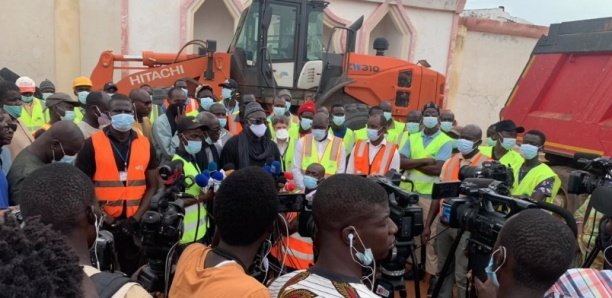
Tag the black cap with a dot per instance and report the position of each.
(508, 125)
(110, 85)
(188, 123)
(431, 105)
(231, 84)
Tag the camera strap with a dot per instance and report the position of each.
(228, 255)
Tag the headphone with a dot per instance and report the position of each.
(366, 258)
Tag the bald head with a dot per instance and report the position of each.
(320, 121)
(140, 95)
(414, 116)
(65, 133)
(97, 99)
(385, 106)
(447, 115)
(471, 132)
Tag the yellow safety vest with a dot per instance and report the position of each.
(534, 177)
(154, 114)
(294, 128)
(349, 140)
(423, 183)
(511, 159)
(78, 115)
(287, 156)
(190, 221)
(396, 131)
(403, 138)
(330, 159)
(38, 117)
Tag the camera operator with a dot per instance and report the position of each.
(469, 155)
(374, 156)
(354, 231)
(503, 150)
(535, 179)
(191, 134)
(532, 251)
(67, 203)
(122, 165)
(245, 209)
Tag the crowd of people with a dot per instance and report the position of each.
(79, 162)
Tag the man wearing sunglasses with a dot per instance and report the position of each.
(253, 146)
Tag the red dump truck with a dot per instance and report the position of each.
(565, 91)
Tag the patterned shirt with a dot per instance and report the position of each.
(582, 283)
(313, 283)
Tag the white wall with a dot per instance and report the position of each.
(433, 35)
(154, 25)
(388, 29)
(490, 66)
(213, 21)
(100, 31)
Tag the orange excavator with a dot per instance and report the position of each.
(279, 45)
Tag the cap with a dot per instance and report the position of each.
(231, 84)
(110, 85)
(203, 86)
(81, 81)
(308, 106)
(431, 105)
(60, 97)
(284, 92)
(46, 84)
(25, 84)
(508, 125)
(252, 107)
(187, 123)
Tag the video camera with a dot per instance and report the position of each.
(490, 170)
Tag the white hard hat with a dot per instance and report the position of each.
(25, 84)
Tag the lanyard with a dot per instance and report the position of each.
(127, 155)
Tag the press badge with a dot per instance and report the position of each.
(123, 176)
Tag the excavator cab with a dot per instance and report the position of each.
(272, 49)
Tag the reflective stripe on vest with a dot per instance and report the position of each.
(330, 159)
(423, 183)
(287, 156)
(191, 222)
(298, 253)
(383, 157)
(534, 177)
(37, 119)
(233, 126)
(110, 191)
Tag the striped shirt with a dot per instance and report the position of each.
(306, 283)
(582, 283)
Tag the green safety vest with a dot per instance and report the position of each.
(37, 119)
(78, 115)
(287, 156)
(349, 139)
(403, 138)
(511, 159)
(423, 183)
(534, 177)
(396, 131)
(190, 221)
(294, 128)
(154, 114)
(331, 156)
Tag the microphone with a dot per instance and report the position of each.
(289, 175)
(212, 167)
(276, 168)
(290, 186)
(203, 180)
(217, 178)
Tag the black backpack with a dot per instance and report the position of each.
(107, 283)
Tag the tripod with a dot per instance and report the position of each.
(599, 244)
(393, 270)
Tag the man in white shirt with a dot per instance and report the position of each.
(374, 156)
(318, 147)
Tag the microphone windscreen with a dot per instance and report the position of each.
(212, 166)
(202, 179)
(289, 175)
(217, 176)
(289, 186)
(276, 168)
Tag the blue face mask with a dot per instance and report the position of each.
(508, 143)
(83, 96)
(387, 115)
(288, 105)
(279, 111)
(27, 99)
(122, 122)
(529, 151)
(186, 92)
(491, 141)
(430, 122)
(69, 159)
(226, 93)
(306, 123)
(68, 115)
(446, 126)
(14, 111)
(413, 127)
(206, 102)
(491, 271)
(372, 134)
(193, 147)
(319, 134)
(465, 146)
(46, 95)
(222, 122)
(209, 141)
(310, 182)
(339, 120)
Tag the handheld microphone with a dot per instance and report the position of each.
(217, 178)
(276, 168)
(289, 186)
(212, 167)
(289, 175)
(203, 180)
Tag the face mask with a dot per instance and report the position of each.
(446, 126)
(372, 134)
(122, 122)
(222, 122)
(258, 129)
(430, 122)
(288, 105)
(306, 123)
(27, 99)
(387, 115)
(279, 111)
(508, 143)
(103, 119)
(110, 94)
(465, 146)
(69, 159)
(46, 95)
(492, 272)
(14, 111)
(339, 120)
(529, 151)
(83, 96)
(68, 115)
(193, 147)
(206, 102)
(226, 93)
(319, 134)
(491, 141)
(282, 134)
(209, 141)
(310, 182)
(186, 92)
(413, 127)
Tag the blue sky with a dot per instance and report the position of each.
(545, 12)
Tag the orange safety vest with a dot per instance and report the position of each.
(450, 170)
(381, 163)
(233, 126)
(298, 253)
(191, 109)
(112, 193)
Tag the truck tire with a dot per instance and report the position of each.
(356, 115)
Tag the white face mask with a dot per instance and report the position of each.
(282, 134)
(258, 129)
